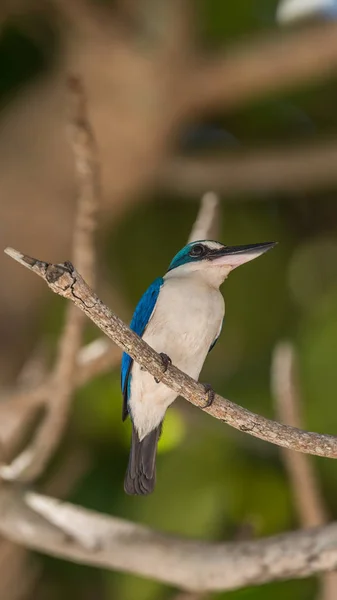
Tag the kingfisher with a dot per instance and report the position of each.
(180, 316)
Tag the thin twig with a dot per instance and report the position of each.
(88, 178)
(64, 280)
(206, 226)
(32, 461)
(266, 66)
(286, 170)
(303, 479)
(83, 536)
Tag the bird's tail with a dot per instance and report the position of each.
(140, 476)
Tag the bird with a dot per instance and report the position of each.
(180, 316)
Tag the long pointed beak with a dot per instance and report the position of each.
(234, 256)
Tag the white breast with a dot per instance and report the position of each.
(186, 320)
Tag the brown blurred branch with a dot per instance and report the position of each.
(272, 64)
(19, 570)
(31, 462)
(96, 358)
(83, 536)
(34, 370)
(304, 167)
(64, 280)
(21, 408)
(303, 479)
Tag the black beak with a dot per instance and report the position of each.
(234, 256)
(246, 249)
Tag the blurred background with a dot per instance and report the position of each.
(213, 483)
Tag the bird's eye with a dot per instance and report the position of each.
(197, 250)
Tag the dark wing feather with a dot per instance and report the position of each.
(140, 476)
(140, 319)
(216, 338)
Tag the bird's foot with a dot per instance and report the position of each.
(166, 362)
(210, 395)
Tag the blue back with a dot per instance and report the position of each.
(140, 319)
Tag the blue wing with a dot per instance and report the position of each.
(216, 338)
(140, 319)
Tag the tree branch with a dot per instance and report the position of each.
(31, 462)
(70, 532)
(20, 571)
(96, 358)
(303, 479)
(206, 225)
(20, 409)
(300, 167)
(64, 280)
(272, 64)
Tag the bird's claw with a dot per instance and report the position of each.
(166, 362)
(210, 395)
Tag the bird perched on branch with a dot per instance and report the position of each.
(180, 316)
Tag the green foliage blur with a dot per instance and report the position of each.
(211, 480)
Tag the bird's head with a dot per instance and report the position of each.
(213, 261)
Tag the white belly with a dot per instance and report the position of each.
(186, 320)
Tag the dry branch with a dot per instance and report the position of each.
(31, 462)
(83, 536)
(291, 169)
(64, 280)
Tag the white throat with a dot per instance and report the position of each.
(208, 272)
